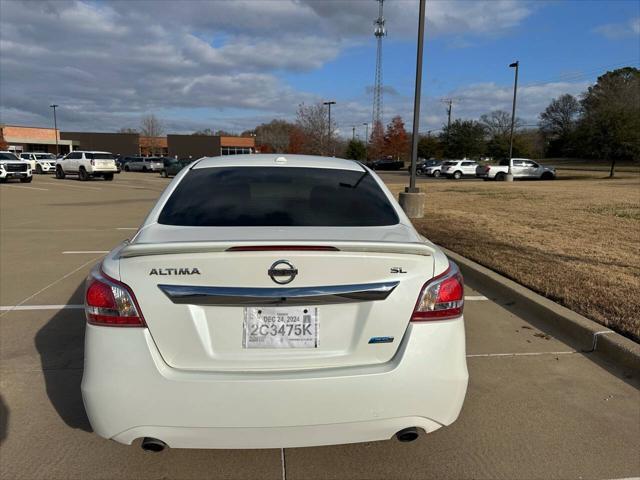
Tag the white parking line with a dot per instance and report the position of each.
(72, 186)
(522, 354)
(65, 276)
(40, 307)
(80, 252)
(126, 228)
(23, 186)
(475, 298)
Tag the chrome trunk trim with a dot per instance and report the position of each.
(242, 296)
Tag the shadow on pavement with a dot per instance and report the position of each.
(60, 344)
(4, 420)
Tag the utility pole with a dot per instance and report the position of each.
(515, 65)
(55, 127)
(353, 132)
(411, 199)
(329, 103)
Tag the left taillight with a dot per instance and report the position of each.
(441, 297)
(108, 302)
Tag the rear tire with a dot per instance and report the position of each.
(500, 177)
(108, 177)
(83, 176)
(60, 173)
(39, 169)
(547, 176)
(126, 168)
(457, 175)
(26, 180)
(144, 169)
(436, 174)
(163, 173)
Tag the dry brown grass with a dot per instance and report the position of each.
(575, 241)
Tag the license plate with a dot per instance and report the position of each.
(280, 327)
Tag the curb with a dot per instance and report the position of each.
(586, 335)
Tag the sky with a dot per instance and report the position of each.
(234, 64)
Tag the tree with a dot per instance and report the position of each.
(150, 126)
(498, 123)
(430, 147)
(376, 141)
(558, 123)
(396, 140)
(611, 116)
(204, 132)
(356, 150)
(273, 137)
(464, 138)
(313, 122)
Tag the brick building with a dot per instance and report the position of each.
(34, 139)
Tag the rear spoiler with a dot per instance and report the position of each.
(173, 248)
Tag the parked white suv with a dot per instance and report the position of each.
(12, 167)
(459, 168)
(143, 164)
(87, 165)
(40, 162)
(269, 302)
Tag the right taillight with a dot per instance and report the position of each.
(441, 297)
(111, 303)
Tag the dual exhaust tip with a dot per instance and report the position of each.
(154, 445)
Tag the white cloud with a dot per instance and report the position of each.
(616, 31)
(107, 63)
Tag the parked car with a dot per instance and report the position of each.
(431, 169)
(172, 166)
(521, 168)
(40, 162)
(387, 164)
(458, 168)
(86, 165)
(212, 328)
(143, 164)
(12, 167)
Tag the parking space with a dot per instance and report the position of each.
(535, 407)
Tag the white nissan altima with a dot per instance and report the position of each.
(273, 302)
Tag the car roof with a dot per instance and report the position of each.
(90, 151)
(275, 160)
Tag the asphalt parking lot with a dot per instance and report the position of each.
(535, 408)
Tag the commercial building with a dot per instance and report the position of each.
(34, 139)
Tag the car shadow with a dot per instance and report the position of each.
(60, 343)
(4, 420)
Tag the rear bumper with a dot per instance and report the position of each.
(129, 392)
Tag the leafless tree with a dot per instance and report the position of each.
(274, 134)
(313, 122)
(151, 126)
(498, 123)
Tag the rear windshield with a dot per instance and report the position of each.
(99, 156)
(277, 196)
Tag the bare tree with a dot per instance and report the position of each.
(313, 122)
(151, 126)
(274, 135)
(560, 117)
(498, 123)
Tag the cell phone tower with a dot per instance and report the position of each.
(379, 33)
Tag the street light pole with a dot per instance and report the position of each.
(55, 127)
(329, 103)
(515, 65)
(416, 104)
(412, 200)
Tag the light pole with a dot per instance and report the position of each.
(353, 132)
(366, 133)
(411, 199)
(329, 103)
(55, 127)
(515, 65)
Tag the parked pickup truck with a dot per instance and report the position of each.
(521, 168)
(12, 167)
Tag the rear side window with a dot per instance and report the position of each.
(277, 196)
